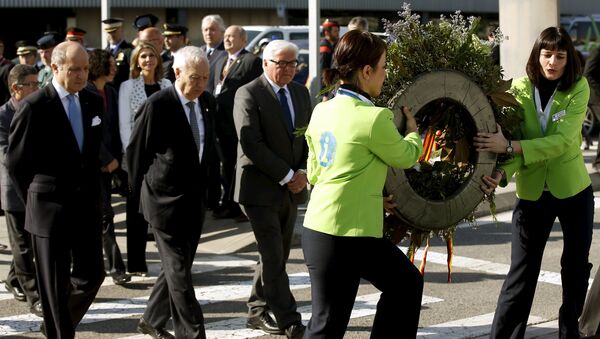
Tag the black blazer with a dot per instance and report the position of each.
(246, 68)
(122, 58)
(44, 161)
(164, 169)
(111, 141)
(8, 195)
(218, 53)
(267, 149)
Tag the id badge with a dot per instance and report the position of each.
(218, 89)
(558, 116)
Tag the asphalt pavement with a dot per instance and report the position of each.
(227, 253)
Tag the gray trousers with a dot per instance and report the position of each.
(273, 228)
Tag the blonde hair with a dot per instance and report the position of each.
(134, 69)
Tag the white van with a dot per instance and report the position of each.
(295, 34)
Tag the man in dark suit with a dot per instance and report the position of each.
(53, 158)
(118, 47)
(213, 28)
(271, 181)
(171, 147)
(21, 278)
(231, 72)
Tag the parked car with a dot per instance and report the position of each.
(295, 34)
(584, 31)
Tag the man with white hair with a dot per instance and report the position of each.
(53, 159)
(271, 181)
(171, 147)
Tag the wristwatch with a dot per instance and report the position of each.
(509, 148)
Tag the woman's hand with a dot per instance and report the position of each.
(491, 142)
(491, 182)
(388, 203)
(411, 123)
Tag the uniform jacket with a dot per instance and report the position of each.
(351, 144)
(122, 58)
(11, 201)
(267, 150)
(164, 169)
(131, 97)
(554, 158)
(246, 68)
(49, 171)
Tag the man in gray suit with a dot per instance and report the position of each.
(271, 181)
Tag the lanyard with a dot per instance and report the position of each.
(347, 92)
(543, 113)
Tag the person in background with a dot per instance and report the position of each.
(21, 277)
(146, 79)
(351, 144)
(331, 31)
(171, 148)
(554, 97)
(175, 38)
(118, 47)
(237, 69)
(75, 34)
(102, 71)
(360, 23)
(45, 46)
(28, 55)
(271, 181)
(213, 29)
(53, 160)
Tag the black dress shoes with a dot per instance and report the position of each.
(263, 322)
(120, 278)
(16, 291)
(295, 331)
(36, 309)
(157, 333)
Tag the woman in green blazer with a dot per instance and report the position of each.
(552, 182)
(351, 143)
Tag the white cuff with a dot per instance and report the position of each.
(287, 178)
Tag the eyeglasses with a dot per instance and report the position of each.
(284, 64)
(30, 84)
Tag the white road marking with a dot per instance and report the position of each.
(472, 327)
(364, 305)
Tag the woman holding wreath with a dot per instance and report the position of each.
(351, 144)
(552, 182)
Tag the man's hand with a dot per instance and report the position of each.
(111, 167)
(388, 203)
(298, 182)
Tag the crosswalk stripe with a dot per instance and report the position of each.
(465, 328)
(364, 305)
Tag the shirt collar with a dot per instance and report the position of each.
(276, 87)
(235, 55)
(183, 99)
(62, 92)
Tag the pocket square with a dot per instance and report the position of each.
(96, 121)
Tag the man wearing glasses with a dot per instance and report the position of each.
(271, 181)
(22, 81)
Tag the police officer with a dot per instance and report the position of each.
(175, 38)
(76, 34)
(45, 46)
(118, 47)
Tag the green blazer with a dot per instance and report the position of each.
(553, 159)
(350, 146)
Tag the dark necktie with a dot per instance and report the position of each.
(286, 109)
(226, 68)
(194, 123)
(75, 120)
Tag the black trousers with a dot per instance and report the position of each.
(228, 145)
(137, 236)
(112, 252)
(589, 323)
(532, 223)
(70, 270)
(336, 265)
(22, 251)
(173, 293)
(273, 228)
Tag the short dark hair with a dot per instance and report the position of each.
(99, 63)
(355, 50)
(554, 38)
(18, 73)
